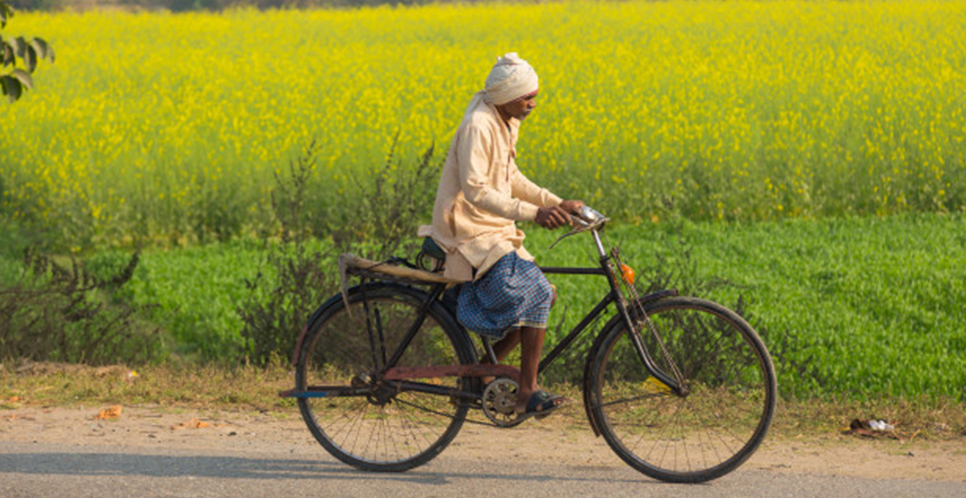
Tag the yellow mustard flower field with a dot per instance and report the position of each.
(172, 125)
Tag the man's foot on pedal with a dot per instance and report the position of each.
(540, 405)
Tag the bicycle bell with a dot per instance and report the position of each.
(589, 217)
(584, 218)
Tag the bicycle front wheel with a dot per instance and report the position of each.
(361, 419)
(719, 419)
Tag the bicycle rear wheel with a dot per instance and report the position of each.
(697, 436)
(363, 420)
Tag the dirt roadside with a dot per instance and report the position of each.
(562, 441)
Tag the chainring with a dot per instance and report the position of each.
(499, 401)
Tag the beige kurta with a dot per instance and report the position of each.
(481, 194)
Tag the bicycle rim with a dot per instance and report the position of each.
(380, 429)
(712, 429)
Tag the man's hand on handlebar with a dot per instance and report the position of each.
(571, 207)
(557, 216)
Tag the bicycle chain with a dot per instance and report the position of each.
(441, 414)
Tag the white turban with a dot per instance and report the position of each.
(510, 79)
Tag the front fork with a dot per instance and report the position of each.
(676, 385)
(607, 261)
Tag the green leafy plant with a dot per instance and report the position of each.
(277, 307)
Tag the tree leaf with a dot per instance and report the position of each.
(5, 13)
(23, 77)
(11, 87)
(43, 49)
(18, 46)
(7, 53)
(30, 58)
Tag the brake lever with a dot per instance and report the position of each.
(564, 236)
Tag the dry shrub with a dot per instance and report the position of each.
(60, 313)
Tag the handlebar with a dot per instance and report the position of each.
(585, 218)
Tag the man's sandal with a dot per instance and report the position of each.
(541, 404)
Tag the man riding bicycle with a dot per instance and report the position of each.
(481, 195)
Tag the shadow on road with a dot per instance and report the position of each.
(139, 464)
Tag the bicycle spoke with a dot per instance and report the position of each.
(633, 399)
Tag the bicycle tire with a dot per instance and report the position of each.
(382, 430)
(704, 434)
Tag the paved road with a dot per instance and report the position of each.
(72, 470)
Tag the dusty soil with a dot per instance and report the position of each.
(561, 440)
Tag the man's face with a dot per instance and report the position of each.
(522, 107)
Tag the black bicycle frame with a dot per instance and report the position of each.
(588, 319)
(614, 296)
(434, 294)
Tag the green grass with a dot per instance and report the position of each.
(864, 306)
(867, 306)
(197, 290)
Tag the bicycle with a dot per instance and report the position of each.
(681, 388)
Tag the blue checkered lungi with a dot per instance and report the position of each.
(513, 293)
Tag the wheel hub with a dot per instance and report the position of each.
(379, 393)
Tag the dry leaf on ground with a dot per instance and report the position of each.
(191, 424)
(112, 412)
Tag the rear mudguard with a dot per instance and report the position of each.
(462, 339)
(313, 318)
